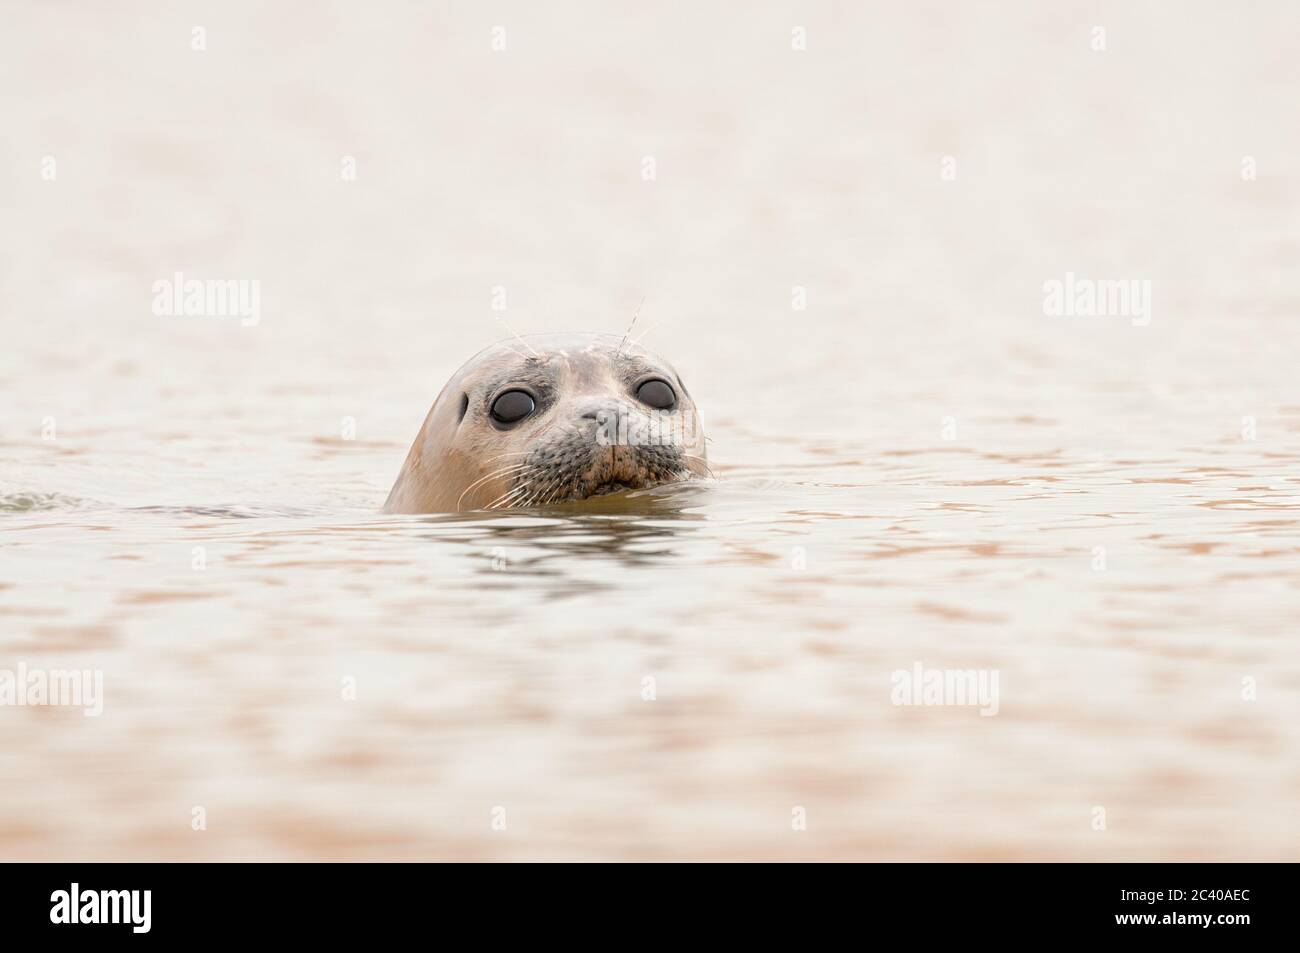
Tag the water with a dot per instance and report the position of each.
(920, 467)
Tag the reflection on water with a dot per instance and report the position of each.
(552, 545)
(919, 471)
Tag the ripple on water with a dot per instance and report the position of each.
(31, 502)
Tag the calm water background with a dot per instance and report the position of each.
(499, 661)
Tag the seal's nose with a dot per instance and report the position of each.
(603, 419)
(599, 411)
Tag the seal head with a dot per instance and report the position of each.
(551, 419)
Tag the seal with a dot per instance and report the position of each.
(545, 419)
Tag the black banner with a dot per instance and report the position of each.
(94, 903)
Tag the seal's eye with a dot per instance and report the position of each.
(512, 406)
(657, 394)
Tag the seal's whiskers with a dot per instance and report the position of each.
(635, 314)
(483, 479)
(704, 463)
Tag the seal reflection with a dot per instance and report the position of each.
(551, 544)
